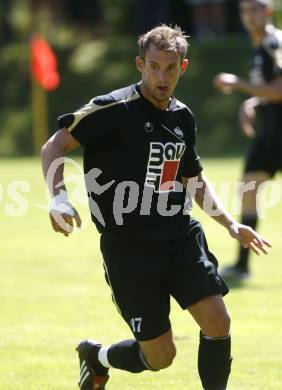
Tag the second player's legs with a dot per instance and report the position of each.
(249, 216)
(252, 180)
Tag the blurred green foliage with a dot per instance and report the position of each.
(95, 60)
(91, 68)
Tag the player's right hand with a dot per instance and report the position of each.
(64, 222)
(226, 82)
(247, 116)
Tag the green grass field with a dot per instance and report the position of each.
(53, 294)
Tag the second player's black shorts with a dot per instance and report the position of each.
(266, 153)
(143, 276)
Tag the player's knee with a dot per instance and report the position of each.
(163, 361)
(162, 357)
(253, 179)
(220, 326)
(224, 324)
(248, 177)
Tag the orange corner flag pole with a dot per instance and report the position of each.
(39, 116)
(44, 77)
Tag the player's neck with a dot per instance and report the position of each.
(258, 36)
(160, 105)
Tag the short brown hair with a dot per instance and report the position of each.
(168, 38)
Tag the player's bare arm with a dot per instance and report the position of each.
(227, 83)
(62, 214)
(204, 195)
(247, 115)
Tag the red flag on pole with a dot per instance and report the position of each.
(44, 64)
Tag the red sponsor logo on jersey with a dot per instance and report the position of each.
(163, 165)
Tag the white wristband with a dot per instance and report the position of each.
(61, 204)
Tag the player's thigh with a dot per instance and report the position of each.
(136, 275)
(251, 182)
(211, 315)
(194, 270)
(255, 178)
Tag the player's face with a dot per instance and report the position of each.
(253, 15)
(160, 74)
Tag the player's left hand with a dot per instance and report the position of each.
(248, 238)
(247, 115)
(226, 82)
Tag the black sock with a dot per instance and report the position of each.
(214, 362)
(243, 259)
(127, 356)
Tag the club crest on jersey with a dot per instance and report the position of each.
(163, 165)
(148, 127)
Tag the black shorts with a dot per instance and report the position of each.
(144, 275)
(265, 154)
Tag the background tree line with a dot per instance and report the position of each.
(95, 42)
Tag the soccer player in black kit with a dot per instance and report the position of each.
(265, 87)
(139, 157)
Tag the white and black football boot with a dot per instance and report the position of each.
(92, 376)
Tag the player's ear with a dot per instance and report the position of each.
(139, 63)
(184, 65)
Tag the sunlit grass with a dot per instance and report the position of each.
(53, 294)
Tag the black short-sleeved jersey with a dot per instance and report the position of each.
(134, 158)
(266, 65)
